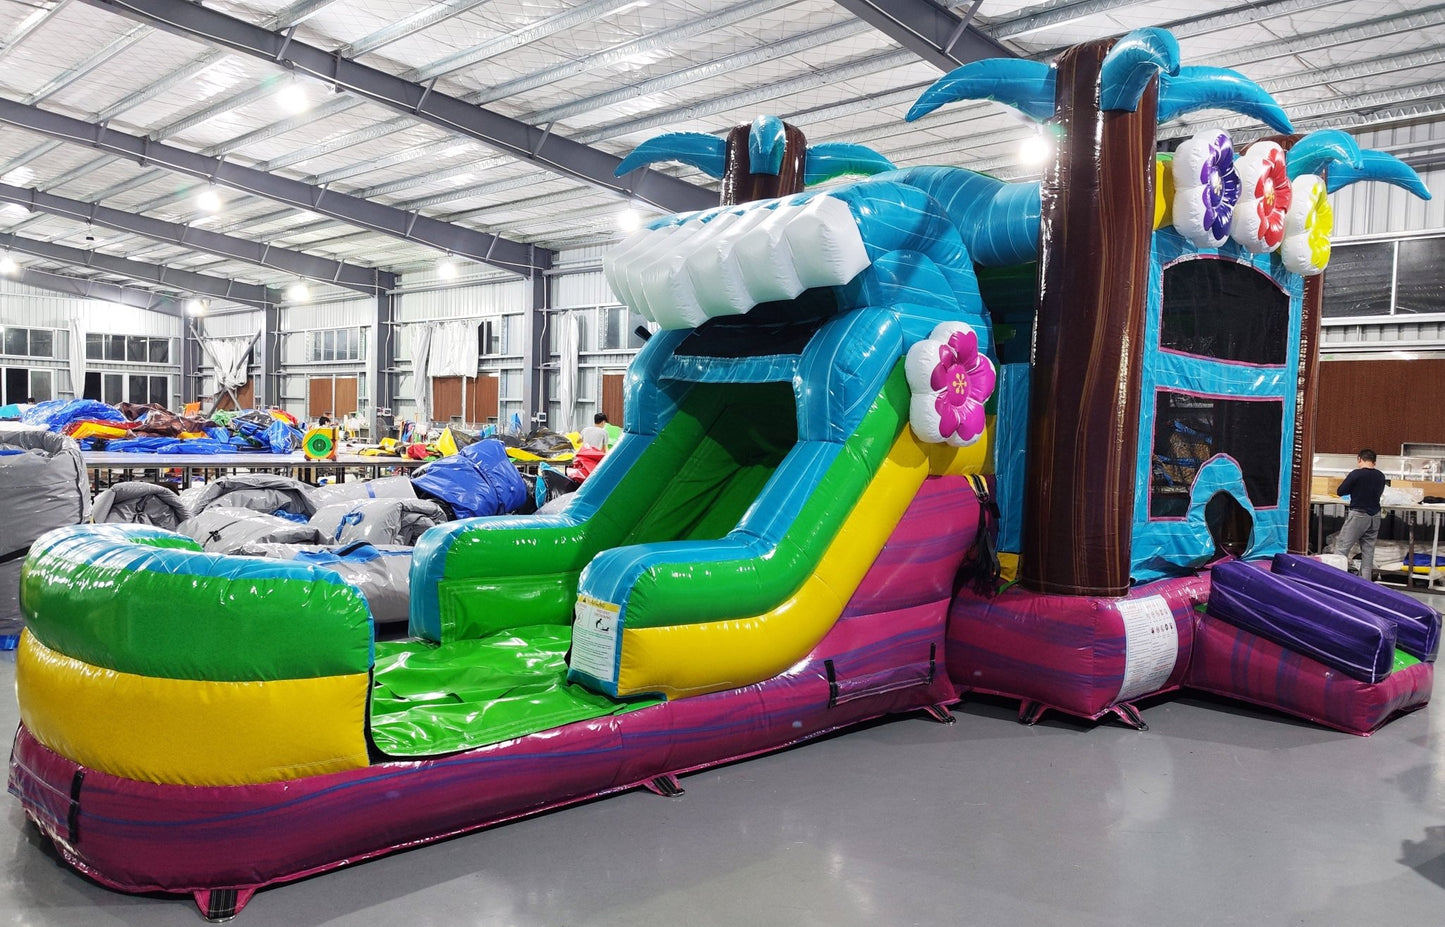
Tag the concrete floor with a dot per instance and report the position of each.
(1218, 815)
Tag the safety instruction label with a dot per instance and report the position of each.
(1151, 642)
(594, 638)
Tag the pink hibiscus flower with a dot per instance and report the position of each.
(965, 380)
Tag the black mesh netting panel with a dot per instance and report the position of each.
(1188, 430)
(1224, 310)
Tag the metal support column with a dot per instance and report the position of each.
(269, 345)
(190, 364)
(534, 352)
(381, 363)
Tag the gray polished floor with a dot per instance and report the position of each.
(1217, 815)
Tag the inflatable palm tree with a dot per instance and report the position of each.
(760, 160)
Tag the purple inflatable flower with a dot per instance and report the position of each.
(1206, 188)
(1221, 186)
(950, 381)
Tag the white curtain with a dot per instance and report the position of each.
(231, 356)
(454, 349)
(420, 340)
(77, 358)
(569, 337)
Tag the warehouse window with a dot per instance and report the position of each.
(1401, 277)
(21, 384)
(337, 344)
(27, 342)
(115, 388)
(128, 349)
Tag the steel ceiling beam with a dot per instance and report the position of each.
(938, 36)
(537, 146)
(99, 290)
(407, 226)
(350, 276)
(246, 294)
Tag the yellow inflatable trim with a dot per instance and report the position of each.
(1163, 192)
(694, 659)
(191, 732)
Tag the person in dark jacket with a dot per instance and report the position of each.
(1362, 521)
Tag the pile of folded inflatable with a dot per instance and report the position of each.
(363, 530)
(153, 429)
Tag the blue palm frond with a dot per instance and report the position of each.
(707, 153)
(1378, 166)
(1132, 61)
(1199, 87)
(828, 160)
(1027, 86)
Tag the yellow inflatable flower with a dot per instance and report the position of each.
(1308, 226)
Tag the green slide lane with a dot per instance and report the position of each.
(427, 700)
(694, 482)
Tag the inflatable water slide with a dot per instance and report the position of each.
(767, 554)
(853, 394)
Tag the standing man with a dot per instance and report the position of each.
(595, 435)
(1362, 520)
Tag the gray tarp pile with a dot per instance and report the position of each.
(385, 487)
(224, 529)
(259, 492)
(139, 504)
(378, 521)
(42, 486)
(382, 572)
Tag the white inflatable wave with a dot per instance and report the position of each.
(726, 261)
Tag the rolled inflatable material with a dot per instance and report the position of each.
(1335, 632)
(223, 529)
(141, 504)
(1417, 625)
(385, 487)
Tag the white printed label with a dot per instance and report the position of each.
(594, 638)
(1151, 645)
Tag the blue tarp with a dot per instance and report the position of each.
(478, 480)
(161, 445)
(55, 414)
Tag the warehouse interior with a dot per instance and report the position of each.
(319, 208)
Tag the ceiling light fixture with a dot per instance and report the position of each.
(7, 264)
(208, 200)
(629, 219)
(298, 292)
(1034, 150)
(197, 306)
(447, 269)
(293, 98)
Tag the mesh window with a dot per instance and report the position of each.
(1359, 280)
(1224, 310)
(1188, 430)
(1422, 275)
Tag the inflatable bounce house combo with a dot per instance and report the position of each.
(856, 397)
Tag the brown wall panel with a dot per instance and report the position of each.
(613, 390)
(318, 397)
(1379, 404)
